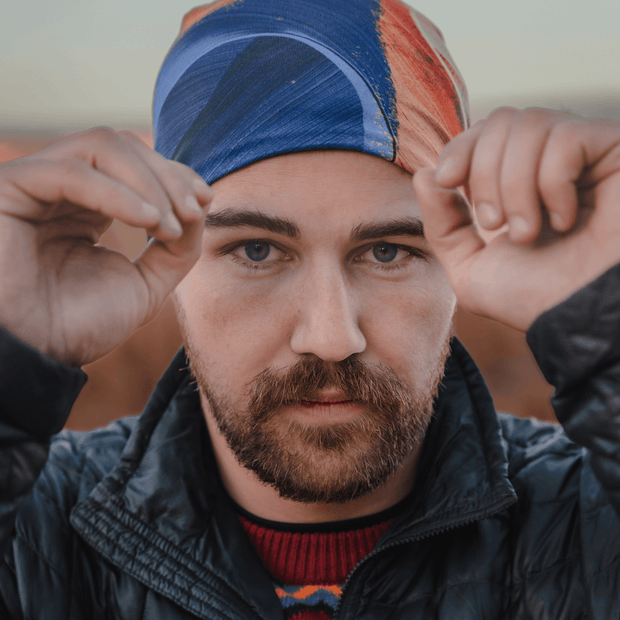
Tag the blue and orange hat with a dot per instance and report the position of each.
(251, 79)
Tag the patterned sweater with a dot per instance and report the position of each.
(310, 563)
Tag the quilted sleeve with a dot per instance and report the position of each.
(36, 396)
(577, 346)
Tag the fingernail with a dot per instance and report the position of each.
(488, 215)
(192, 205)
(556, 220)
(151, 211)
(518, 228)
(172, 224)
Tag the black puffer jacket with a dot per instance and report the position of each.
(509, 518)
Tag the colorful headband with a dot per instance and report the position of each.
(251, 79)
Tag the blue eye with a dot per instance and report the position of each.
(385, 252)
(257, 250)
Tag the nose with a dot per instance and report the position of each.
(328, 323)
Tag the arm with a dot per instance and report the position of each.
(65, 301)
(36, 396)
(577, 346)
(553, 181)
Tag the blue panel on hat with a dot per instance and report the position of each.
(259, 78)
(256, 109)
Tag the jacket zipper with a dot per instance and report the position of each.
(504, 503)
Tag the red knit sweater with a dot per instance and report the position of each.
(310, 564)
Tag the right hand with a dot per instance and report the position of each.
(59, 291)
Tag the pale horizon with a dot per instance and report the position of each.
(68, 66)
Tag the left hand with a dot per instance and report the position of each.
(554, 179)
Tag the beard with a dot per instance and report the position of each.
(323, 463)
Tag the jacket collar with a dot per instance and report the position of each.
(163, 516)
(463, 469)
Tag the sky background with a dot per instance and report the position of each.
(71, 64)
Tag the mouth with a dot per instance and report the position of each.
(324, 403)
(326, 397)
(326, 407)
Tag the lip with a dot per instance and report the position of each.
(324, 411)
(324, 403)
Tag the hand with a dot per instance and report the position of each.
(554, 179)
(59, 291)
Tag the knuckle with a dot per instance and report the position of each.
(177, 190)
(128, 136)
(70, 167)
(101, 131)
(536, 116)
(184, 178)
(102, 135)
(177, 165)
(182, 171)
(169, 177)
(563, 134)
(503, 113)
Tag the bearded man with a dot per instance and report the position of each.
(330, 451)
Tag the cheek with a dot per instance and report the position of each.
(233, 327)
(407, 326)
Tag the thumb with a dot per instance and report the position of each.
(448, 226)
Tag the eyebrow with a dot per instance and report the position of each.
(406, 227)
(233, 218)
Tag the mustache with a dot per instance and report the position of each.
(376, 386)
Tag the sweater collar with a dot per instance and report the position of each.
(163, 515)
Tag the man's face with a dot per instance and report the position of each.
(316, 322)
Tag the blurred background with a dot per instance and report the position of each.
(68, 65)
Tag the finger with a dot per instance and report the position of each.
(186, 190)
(569, 157)
(163, 265)
(519, 173)
(452, 169)
(486, 166)
(105, 151)
(28, 185)
(448, 227)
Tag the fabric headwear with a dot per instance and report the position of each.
(251, 79)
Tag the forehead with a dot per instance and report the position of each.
(326, 186)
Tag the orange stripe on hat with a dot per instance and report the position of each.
(431, 101)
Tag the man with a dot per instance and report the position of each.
(309, 465)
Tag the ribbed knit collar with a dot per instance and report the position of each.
(318, 558)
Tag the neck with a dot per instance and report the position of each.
(262, 500)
